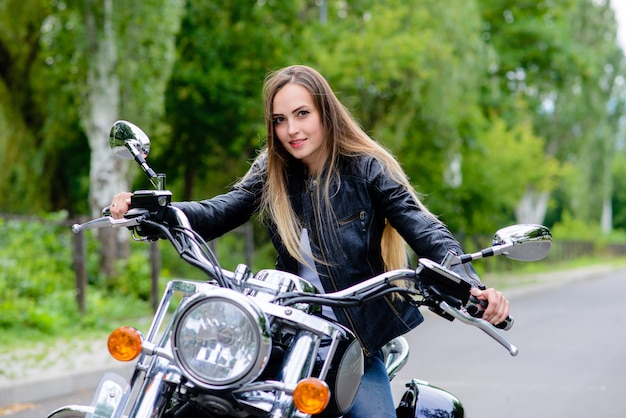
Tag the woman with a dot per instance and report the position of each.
(339, 209)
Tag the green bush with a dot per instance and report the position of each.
(35, 271)
(38, 283)
(572, 229)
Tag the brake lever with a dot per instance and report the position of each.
(487, 327)
(107, 221)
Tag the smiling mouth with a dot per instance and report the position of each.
(296, 142)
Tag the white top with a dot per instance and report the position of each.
(310, 274)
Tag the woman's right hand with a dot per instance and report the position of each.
(120, 204)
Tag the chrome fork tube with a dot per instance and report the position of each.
(298, 364)
(150, 400)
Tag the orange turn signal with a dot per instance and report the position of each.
(125, 344)
(311, 395)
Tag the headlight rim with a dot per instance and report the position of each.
(263, 339)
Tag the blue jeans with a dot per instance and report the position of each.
(374, 398)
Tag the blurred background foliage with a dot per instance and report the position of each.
(500, 111)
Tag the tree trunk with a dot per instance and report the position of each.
(532, 207)
(606, 222)
(107, 173)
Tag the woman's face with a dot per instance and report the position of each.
(298, 126)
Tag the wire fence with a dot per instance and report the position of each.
(562, 251)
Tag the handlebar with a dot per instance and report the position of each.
(187, 243)
(442, 290)
(373, 283)
(382, 284)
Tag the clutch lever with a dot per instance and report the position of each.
(133, 218)
(487, 327)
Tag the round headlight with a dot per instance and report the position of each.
(221, 340)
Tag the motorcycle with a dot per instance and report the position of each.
(255, 345)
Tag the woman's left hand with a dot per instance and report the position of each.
(498, 309)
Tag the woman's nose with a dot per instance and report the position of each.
(292, 127)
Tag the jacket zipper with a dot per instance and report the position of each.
(310, 186)
(360, 215)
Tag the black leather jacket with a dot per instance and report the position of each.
(363, 198)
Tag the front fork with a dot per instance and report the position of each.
(155, 393)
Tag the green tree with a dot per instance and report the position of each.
(430, 79)
(410, 72)
(558, 63)
(69, 71)
(502, 165)
(45, 74)
(43, 165)
(214, 105)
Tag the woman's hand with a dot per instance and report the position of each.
(498, 309)
(120, 205)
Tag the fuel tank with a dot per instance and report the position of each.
(422, 400)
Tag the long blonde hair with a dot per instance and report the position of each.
(344, 137)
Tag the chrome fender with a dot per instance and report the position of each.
(105, 401)
(72, 411)
(422, 400)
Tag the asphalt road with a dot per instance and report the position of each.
(571, 361)
(42, 409)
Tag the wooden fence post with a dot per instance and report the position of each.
(80, 268)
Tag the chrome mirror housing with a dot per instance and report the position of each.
(126, 137)
(524, 242)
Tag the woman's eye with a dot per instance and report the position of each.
(303, 113)
(278, 120)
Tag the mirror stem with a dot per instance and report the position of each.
(452, 259)
(142, 162)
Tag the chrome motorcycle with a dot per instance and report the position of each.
(255, 345)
